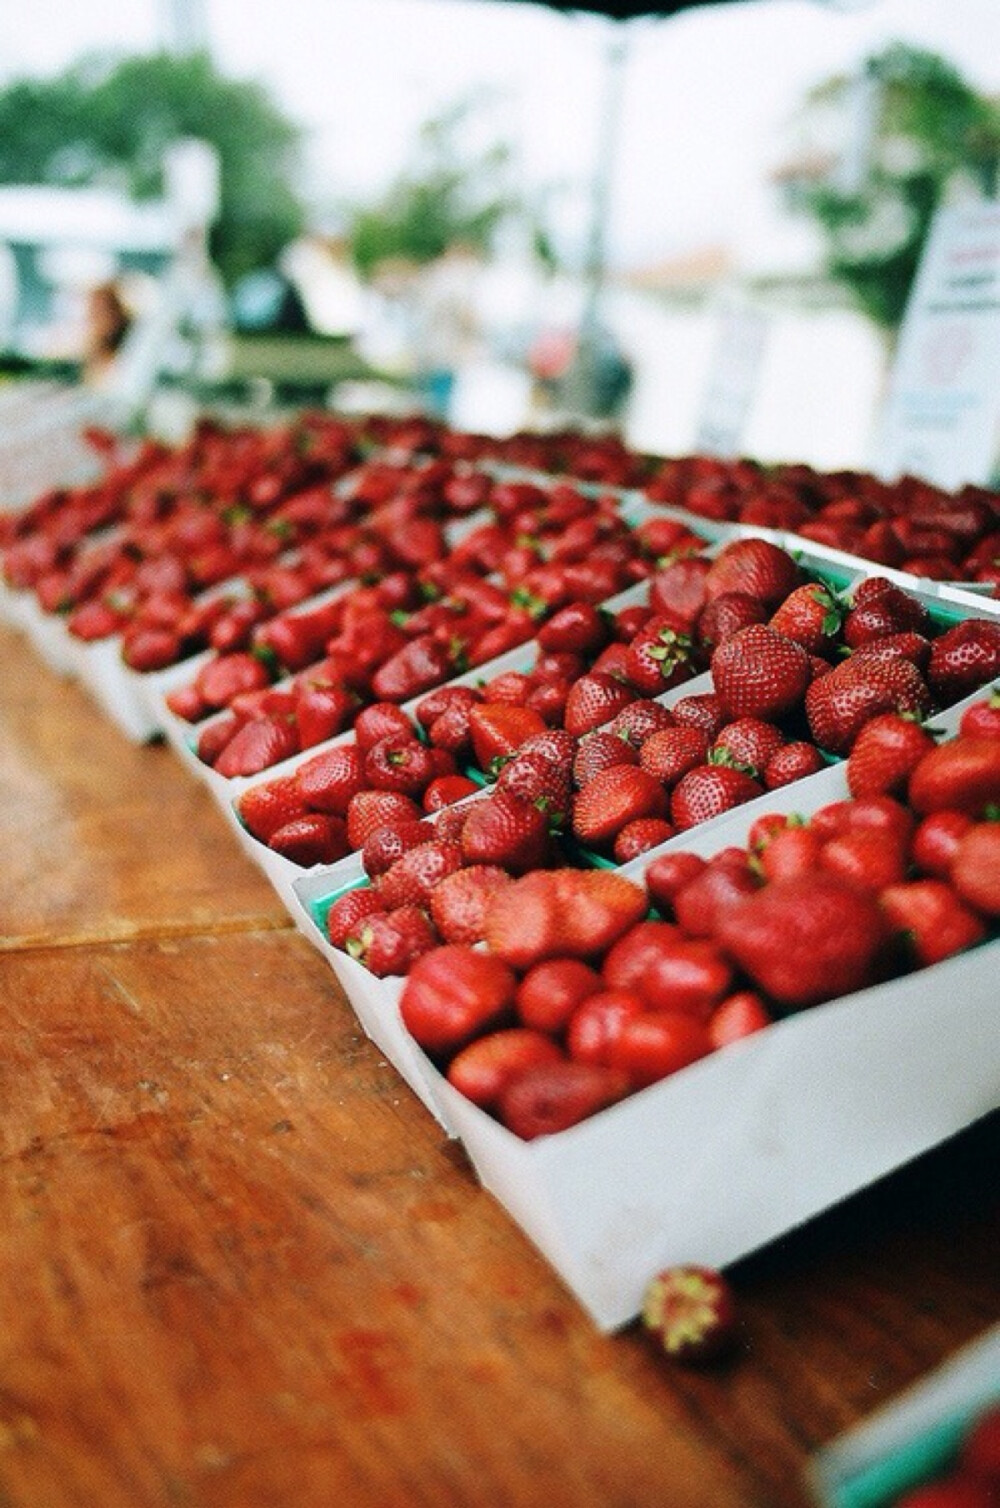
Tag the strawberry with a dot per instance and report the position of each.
(982, 719)
(812, 616)
(555, 744)
(445, 790)
(869, 859)
(579, 628)
(975, 869)
(756, 567)
(329, 780)
(391, 942)
(438, 701)
(551, 1097)
(936, 923)
(639, 836)
(458, 902)
(748, 743)
(314, 838)
(658, 658)
(550, 992)
(411, 879)
(226, 676)
(266, 807)
(258, 744)
(399, 763)
(906, 645)
(600, 751)
(321, 712)
(691, 1313)
(677, 592)
(935, 842)
(369, 810)
(689, 975)
(380, 720)
(726, 615)
(627, 961)
(793, 761)
(145, 649)
(792, 850)
(737, 1017)
(214, 737)
(639, 720)
(704, 710)
(486, 1067)
(885, 753)
(613, 798)
(963, 659)
(498, 730)
(453, 993)
(532, 777)
(561, 913)
(595, 699)
(668, 874)
(709, 790)
(511, 688)
(387, 844)
(839, 704)
(879, 607)
(657, 1043)
(760, 673)
(416, 667)
(805, 940)
(504, 830)
(961, 775)
(598, 1022)
(709, 895)
(349, 910)
(670, 754)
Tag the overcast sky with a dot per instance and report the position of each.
(706, 95)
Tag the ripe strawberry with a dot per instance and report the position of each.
(975, 871)
(391, 942)
(792, 850)
(737, 1017)
(226, 676)
(321, 712)
(551, 1097)
(504, 830)
(638, 721)
(671, 753)
(749, 743)
(756, 567)
(454, 992)
(626, 962)
(793, 761)
(710, 894)
(497, 730)
(595, 699)
(315, 838)
(658, 658)
(960, 775)
(704, 710)
(936, 840)
(416, 667)
(612, 799)
(811, 615)
(380, 720)
(445, 790)
(458, 902)
(329, 780)
(866, 858)
(348, 911)
(839, 704)
(935, 921)
(369, 810)
(902, 646)
(689, 975)
(598, 1022)
(658, 1043)
(266, 807)
(486, 1067)
(725, 616)
(805, 940)
(667, 875)
(760, 673)
(691, 1313)
(879, 608)
(387, 844)
(257, 745)
(600, 751)
(579, 628)
(214, 737)
(561, 913)
(640, 836)
(677, 592)
(550, 992)
(982, 719)
(885, 753)
(511, 689)
(963, 659)
(709, 790)
(411, 879)
(532, 777)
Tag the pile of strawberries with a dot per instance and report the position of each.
(590, 986)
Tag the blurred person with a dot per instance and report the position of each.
(449, 334)
(322, 272)
(108, 322)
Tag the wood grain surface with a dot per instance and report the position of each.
(242, 1267)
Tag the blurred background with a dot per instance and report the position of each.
(701, 230)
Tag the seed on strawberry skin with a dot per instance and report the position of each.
(691, 1312)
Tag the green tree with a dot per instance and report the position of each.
(444, 194)
(109, 122)
(932, 135)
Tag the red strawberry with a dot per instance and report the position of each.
(975, 870)
(436, 702)
(216, 735)
(511, 689)
(885, 753)
(613, 798)
(348, 911)
(598, 1023)
(486, 1067)
(793, 761)
(709, 790)
(550, 992)
(879, 607)
(411, 879)
(532, 777)
(700, 905)
(259, 744)
(445, 790)
(657, 1043)
(677, 592)
(670, 754)
(688, 975)
(936, 923)
(963, 659)
(960, 775)
(391, 942)
(504, 830)
(760, 673)
(902, 646)
(982, 719)
(498, 730)
(458, 902)
(691, 1312)
(756, 567)
(380, 720)
(561, 913)
(726, 615)
(226, 676)
(639, 836)
(870, 859)
(266, 807)
(369, 810)
(399, 763)
(737, 1017)
(627, 961)
(579, 628)
(936, 840)
(387, 844)
(658, 658)
(595, 699)
(805, 940)
(321, 712)
(454, 992)
(839, 704)
(600, 751)
(749, 742)
(792, 850)
(812, 616)
(329, 780)
(419, 665)
(668, 874)
(703, 710)
(554, 1096)
(185, 702)
(314, 838)
(638, 721)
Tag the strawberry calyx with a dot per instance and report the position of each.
(727, 760)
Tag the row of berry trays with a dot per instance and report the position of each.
(730, 1152)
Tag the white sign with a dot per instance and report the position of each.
(941, 419)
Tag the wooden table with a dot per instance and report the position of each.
(241, 1266)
